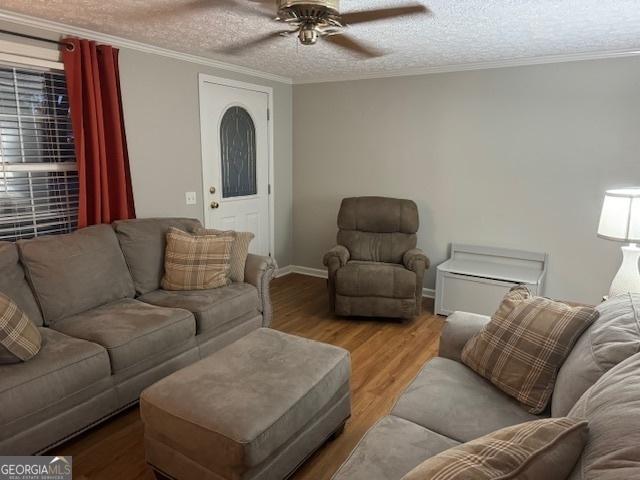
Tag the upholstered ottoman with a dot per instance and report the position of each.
(253, 410)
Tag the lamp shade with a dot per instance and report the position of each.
(620, 217)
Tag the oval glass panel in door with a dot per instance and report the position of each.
(238, 153)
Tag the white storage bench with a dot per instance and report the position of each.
(476, 278)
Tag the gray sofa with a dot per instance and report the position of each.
(376, 270)
(108, 329)
(448, 404)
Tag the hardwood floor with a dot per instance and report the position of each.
(385, 358)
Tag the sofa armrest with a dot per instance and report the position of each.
(258, 271)
(458, 329)
(339, 253)
(412, 257)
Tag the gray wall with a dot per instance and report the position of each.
(514, 157)
(162, 120)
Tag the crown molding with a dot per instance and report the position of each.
(516, 62)
(63, 29)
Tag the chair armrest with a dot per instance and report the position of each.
(458, 329)
(334, 260)
(339, 252)
(258, 271)
(412, 257)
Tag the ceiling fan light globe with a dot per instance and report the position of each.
(308, 35)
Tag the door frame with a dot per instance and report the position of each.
(204, 79)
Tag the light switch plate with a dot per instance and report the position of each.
(190, 197)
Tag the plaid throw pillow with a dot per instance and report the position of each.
(239, 250)
(542, 449)
(20, 339)
(196, 262)
(524, 345)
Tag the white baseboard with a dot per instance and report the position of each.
(282, 271)
(312, 272)
(428, 293)
(322, 273)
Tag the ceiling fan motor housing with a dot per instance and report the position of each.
(304, 6)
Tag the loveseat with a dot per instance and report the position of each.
(108, 328)
(448, 404)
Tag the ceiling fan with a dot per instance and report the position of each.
(312, 20)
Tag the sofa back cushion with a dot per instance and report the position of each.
(612, 338)
(612, 408)
(378, 229)
(75, 272)
(14, 284)
(143, 242)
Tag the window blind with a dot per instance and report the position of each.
(38, 170)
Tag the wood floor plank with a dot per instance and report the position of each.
(385, 354)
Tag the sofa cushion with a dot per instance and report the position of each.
(390, 449)
(20, 339)
(64, 366)
(524, 345)
(371, 279)
(446, 390)
(543, 449)
(196, 262)
(143, 242)
(14, 284)
(613, 337)
(246, 401)
(213, 309)
(75, 272)
(130, 330)
(612, 408)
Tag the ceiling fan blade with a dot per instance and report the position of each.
(362, 16)
(353, 46)
(237, 47)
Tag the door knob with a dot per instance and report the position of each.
(215, 204)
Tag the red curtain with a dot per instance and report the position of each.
(93, 83)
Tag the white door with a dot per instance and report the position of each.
(235, 161)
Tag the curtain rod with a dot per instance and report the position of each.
(40, 39)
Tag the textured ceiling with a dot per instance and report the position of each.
(458, 31)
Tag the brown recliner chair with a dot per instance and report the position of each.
(376, 269)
